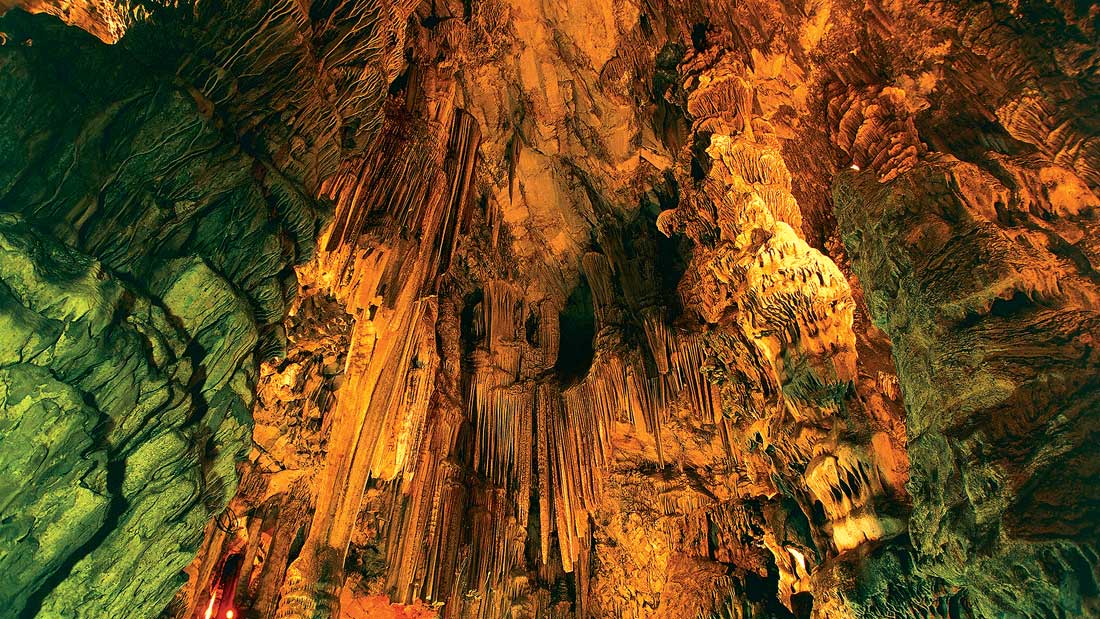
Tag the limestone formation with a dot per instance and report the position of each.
(504, 309)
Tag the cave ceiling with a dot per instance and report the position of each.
(523, 309)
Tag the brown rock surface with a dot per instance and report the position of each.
(547, 309)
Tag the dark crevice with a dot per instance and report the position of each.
(116, 507)
(531, 328)
(700, 160)
(470, 337)
(578, 330)
(699, 37)
(802, 605)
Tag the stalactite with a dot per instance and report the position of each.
(424, 531)
(598, 272)
(380, 412)
(548, 334)
(405, 396)
(460, 164)
(688, 358)
(523, 473)
(255, 524)
(547, 407)
(730, 434)
(657, 337)
(288, 518)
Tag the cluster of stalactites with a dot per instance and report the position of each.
(621, 387)
(425, 530)
(782, 312)
(463, 524)
(386, 274)
(532, 440)
(529, 438)
(628, 384)
(499, 401)
(399, 215)
(750, 259)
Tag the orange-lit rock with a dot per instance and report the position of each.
(552, 310)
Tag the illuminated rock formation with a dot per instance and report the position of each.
(163, 210)
(533, 310)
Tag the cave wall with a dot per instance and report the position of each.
(619, 310)
(152, 211)
(999, 467)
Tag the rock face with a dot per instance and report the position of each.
(993, 498)
(152, 211)
(513, 309)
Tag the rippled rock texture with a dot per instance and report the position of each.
(512, 309)
(152, 210)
